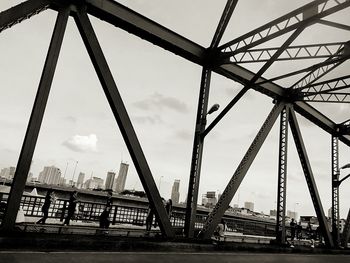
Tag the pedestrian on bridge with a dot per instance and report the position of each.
(50, 198)
(73, 200)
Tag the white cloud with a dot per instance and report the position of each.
(81, 143)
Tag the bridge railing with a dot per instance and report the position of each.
(88, 212)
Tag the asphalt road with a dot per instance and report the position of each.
(166, 257)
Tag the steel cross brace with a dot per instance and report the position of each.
(33, 128)
(309, 13)
(335, 190)
(234, 183)
(304, 160)
(119, 111)
(198, 142)
(337, 97)
(282, 178)
(321, 69)
(327, 86)
(291, 53)
(20, 12)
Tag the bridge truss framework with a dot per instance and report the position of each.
(225, 60)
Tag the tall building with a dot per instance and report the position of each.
(94, 183)
(175, 194)
(121, 179)
(80, 181)
(110, 180)
(50, 175)
(8, 172)
(249, 205)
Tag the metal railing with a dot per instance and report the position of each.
(124, 214)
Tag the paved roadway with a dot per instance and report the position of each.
(164, 257)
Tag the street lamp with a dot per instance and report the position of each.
(213, 108)
(346, 177)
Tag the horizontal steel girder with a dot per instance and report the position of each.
(328, 97)
(291, 53)
(311, 13)
(328, 85)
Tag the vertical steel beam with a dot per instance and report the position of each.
(28, 146)
(198, 142)
(335, 190)
(304, 160)
(196, 162)
(346, 232)
(282, 178)
(119, 111)
(234, 183)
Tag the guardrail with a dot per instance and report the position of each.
(124, 214)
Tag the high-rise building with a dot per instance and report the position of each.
(110, 180)
(121, 179)
(50, 175)
(80, 181)
(8, 172)
(94, 183)
(249, 206)
(175, 194)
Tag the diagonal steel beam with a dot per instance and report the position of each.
(225, 18)
(309, 13)
(305, 163)
(28, 146)
(234, 183)
(119, 111)
(298, 52)
(18, 13)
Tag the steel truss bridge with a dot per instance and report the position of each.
(227, 60)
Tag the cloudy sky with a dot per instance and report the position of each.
(160, 91)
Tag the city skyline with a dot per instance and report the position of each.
(78, 124)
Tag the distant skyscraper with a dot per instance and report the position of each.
(175, 194)
(249, 205)
(120, 182)
(110, 180)
(80, 181)
(50, 175)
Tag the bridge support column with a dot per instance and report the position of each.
(335, 190)
(304, 160)
(282, 178)
(33, 128)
